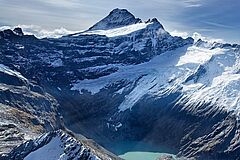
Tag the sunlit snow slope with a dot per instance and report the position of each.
(202, 74)
(118, 31)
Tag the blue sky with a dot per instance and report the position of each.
(213, 18)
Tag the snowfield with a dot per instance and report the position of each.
(117, 31)
(202, 74)
(51, 151)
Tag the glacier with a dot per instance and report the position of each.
(170, 71)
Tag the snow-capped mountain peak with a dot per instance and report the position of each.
(151, 26)
(121, 22)
(116, 18)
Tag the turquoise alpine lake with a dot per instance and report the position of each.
(136, 155)
(132, 150)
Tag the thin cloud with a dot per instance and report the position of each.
(179, 33)
(60, 3)
(39, 32)
(192, 3)
(196, 36)
(218, 25)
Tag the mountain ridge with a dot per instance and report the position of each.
(58, 145)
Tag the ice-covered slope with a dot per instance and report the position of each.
(118, 31)
(216, 80)
(203, 75)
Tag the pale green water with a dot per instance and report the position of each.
(135, 150)
(142, 155)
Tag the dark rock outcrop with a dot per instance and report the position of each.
(25, 112)
(116, 18)
(71, 148)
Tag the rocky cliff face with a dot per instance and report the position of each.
(57, 145)
(26, 110)
(116, 18)
(129, 79)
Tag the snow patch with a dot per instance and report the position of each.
(179, 34)
(50, 151)
(117, 31)
(8, 71)
(198, 55)
(57, 63)
(60, 147)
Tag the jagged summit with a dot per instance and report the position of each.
(121, 22)
(116, 18)
(8, 33)
(15, 33)
(18, 31)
